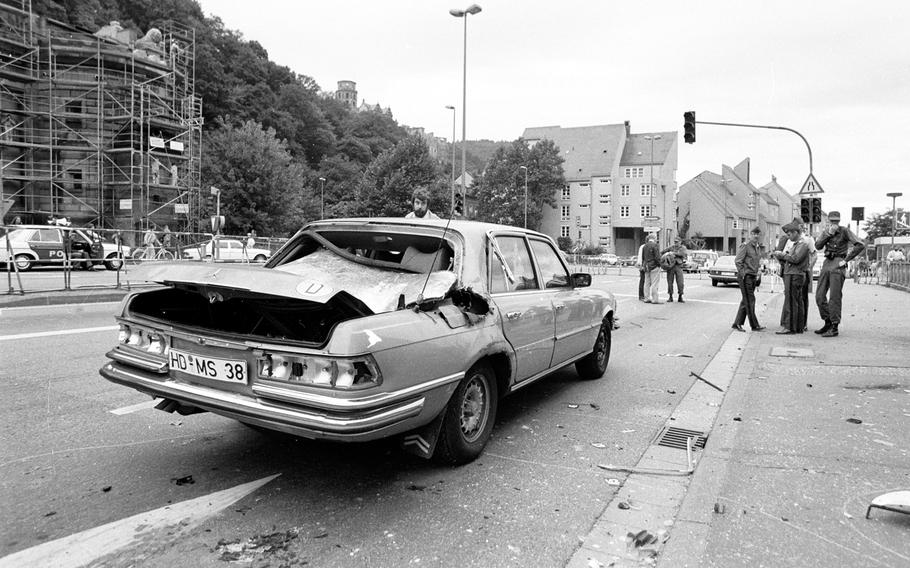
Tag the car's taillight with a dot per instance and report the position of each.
(341, 373)
(145, 339)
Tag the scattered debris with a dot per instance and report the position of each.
(270, 544)
(720, 508)
(702, 379)
(884, 443)
(613, 481)
(896, 502)
(106, 488)
(671, 391)
(598, 445)
(594, 405)
(623, 505)
(573, 406)
(676, 355)
(737, 419)
(627, 431)
(186, 480)
(415, 487)
(854, 421)
(51, 514)
(642, 538)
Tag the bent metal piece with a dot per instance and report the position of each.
(896, 502)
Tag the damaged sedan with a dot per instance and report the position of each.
(360, 329)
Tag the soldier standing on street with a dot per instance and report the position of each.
(835, 241)
(748, 264)
(676, 270)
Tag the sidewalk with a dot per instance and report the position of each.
(785, 479)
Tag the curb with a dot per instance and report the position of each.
(61, 297)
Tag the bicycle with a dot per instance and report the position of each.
(151, 253)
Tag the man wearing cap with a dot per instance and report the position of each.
(675, 272)
(794, 263)
(840, 246)
(748, 264)
(650, 259)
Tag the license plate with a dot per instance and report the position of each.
(228, 370)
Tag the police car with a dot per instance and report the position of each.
(29, 245)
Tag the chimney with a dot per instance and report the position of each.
(628, 129)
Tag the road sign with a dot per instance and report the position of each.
(651, 229)
(811, 186)
(650, 221)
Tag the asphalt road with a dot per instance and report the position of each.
(77, 453)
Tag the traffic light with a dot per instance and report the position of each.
(459, 203)
(816, 209)
(689, 126)
(805, 209)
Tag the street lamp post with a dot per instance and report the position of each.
(525, 168)
(893, 197)
(472, 9)
(452, 205)
(651, 180)
(322, 198)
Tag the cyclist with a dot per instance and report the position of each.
(151, 242)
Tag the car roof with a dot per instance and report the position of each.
(466, 228)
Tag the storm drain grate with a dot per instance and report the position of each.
(673, 437)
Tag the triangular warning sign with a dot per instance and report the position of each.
(811, 186)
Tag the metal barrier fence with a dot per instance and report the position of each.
(897, 275)
(25, 249)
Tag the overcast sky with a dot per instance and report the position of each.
(837, 71)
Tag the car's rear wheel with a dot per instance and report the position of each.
(259, 258)
(23, 262)
(594, 364)
(113, 262)
(469, 417)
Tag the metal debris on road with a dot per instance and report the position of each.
(675, 355)
(854, 421)
(896, 502)
(704, 380)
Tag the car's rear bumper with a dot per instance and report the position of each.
(287, 410)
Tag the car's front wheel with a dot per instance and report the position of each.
(594, 364)
(469, 417)
(259, 258)
(113, 262)
(23, 261)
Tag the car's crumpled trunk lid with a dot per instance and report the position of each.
(299, 301)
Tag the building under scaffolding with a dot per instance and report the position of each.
(101, 127)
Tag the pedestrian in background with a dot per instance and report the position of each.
(840, 246)
(650, 258)
(748, 264)
(794, 263)
(675, 272)
(641, 275)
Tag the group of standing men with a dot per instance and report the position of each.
(649, 266)
(796, 253)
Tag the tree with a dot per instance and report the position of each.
(564, 244)
(385, 190)
(501, 192)
(880, 226)
(263, 187)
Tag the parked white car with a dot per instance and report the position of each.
(228, 249)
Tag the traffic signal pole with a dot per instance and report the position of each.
(809, 148)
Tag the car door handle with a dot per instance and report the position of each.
(559, 306)
(513, 315)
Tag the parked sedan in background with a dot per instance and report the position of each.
(359, 329)
(228, 249)
(724, 272)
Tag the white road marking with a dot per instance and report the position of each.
(135, 407)
(88, 546)
(58, 332)
(718, 302)
(55, 306)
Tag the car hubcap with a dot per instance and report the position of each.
(474, 409)
(601, 349)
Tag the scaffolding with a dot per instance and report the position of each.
(101, 127)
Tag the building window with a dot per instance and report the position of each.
(645, 210)
(583, 205)
(564, 210)
(585, 227)
(605, 219)
(605, 198)
(566, 193)
(585, 184)
(564, 231)
(605, 180)
(624, 212)
(637, 172)
(624, 190)
(604, 240)
(646, 190)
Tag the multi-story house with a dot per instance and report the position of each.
(619, 185)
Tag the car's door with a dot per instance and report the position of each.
(525, 308)
(575, 313)
(47, 244)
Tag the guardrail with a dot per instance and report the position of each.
(897, 275)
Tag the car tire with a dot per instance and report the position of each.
(713, 282)
(23, 262)
(259, 258)
(469, 417)
(594, 364)
(113, 262)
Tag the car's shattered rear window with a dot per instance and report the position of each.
(380, 289)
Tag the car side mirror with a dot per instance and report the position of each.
(581, 280)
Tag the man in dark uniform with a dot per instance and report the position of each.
(675, 272)
(840, 246)
(748, 264)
